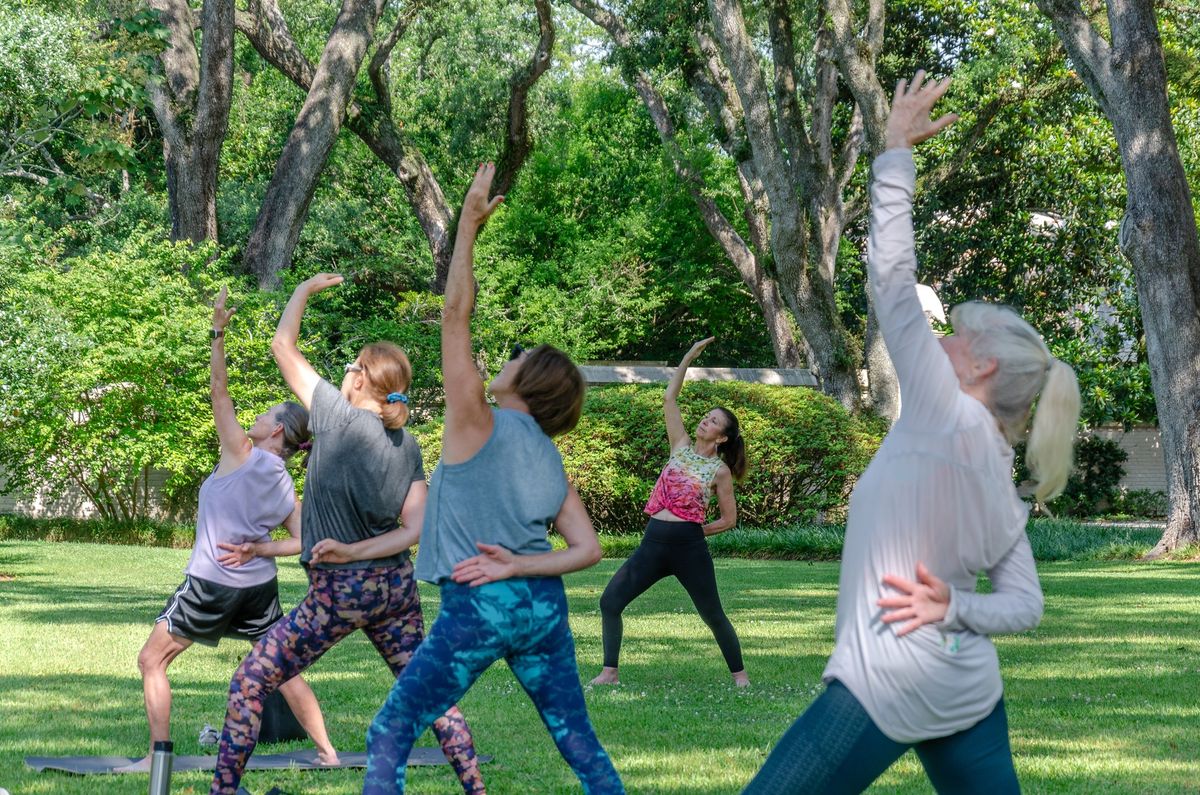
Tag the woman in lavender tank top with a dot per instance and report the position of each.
(674, 544)
(230, 588)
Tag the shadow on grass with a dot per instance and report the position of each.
(1101, 697)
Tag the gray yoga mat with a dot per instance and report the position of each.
(301, 760)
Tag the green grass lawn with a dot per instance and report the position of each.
(1102, 698)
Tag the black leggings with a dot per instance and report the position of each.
(675, 549)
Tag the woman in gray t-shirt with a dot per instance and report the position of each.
(364, 475)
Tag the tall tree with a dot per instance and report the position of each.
(285, 205)
(191, 106)
(793, 97)
(373, 118)
(1126, 74)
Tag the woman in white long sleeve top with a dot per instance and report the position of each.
(912, 664)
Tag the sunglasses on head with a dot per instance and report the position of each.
(520, 348)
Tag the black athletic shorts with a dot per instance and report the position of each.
(204, 611)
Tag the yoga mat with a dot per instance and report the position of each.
(301, 760)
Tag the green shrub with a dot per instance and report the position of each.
(1142, 503)
(1094, 484)
(142, 532)
(804, 451)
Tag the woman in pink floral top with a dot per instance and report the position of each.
(674, 544)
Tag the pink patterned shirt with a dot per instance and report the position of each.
(685, 486)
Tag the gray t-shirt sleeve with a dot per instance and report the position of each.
(329, 408)
(419, 464)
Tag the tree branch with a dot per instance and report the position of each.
(783, 57)
(517, 141)
(376, 68)
(856, 59)
(1087, 49)
(742, 59)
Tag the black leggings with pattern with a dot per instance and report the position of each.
(669, 549)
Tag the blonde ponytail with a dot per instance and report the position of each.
(1049, 450)
(1025, 372)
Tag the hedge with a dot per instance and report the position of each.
(804, 450)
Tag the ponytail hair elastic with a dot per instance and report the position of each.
(397, 397)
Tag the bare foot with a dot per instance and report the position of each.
(741, 679)
(140, 766)
(329, 758)
(608, 676)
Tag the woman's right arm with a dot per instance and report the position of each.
(300, 376)
(677, 434)
(385, 545)
(468, 420)
(235, 444)
(928, 384)
(497, 563)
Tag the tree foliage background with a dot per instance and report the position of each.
(599, 249)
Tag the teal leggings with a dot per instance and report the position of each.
(835, 748)
(523, 622)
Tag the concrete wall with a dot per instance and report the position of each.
(1145, 468)
(70, 502)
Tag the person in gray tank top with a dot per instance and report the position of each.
(499, 486)
(364, 503)
(913, 665)
(230, 588)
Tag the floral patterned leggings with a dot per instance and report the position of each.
(523, 621)
(384, 603)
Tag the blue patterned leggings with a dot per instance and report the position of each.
(522, 621)
(835, 748)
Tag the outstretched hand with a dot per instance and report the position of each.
(697, 348)
(909, 122)
(495, 563)
(319, 282)
(922, 602)
(477, 207)
(221, 315)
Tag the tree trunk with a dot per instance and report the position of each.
(1158, 234)
(192, 110)
(285, 205)
(371, 120)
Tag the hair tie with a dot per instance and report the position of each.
(305, 446)
(397, 397)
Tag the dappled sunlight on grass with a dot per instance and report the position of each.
(1102, 697)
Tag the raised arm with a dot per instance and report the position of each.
(235, 444)
(468, 421)
(726, 504)
(497, 563)
(393, 542)
(299, 374)
(928, 385)
(677, 435)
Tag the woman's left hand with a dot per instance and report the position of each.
(495, 563)
(922, 602)
(236, 554)
(221, 315)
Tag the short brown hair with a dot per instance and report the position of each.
(553, 388)
(386, 369)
